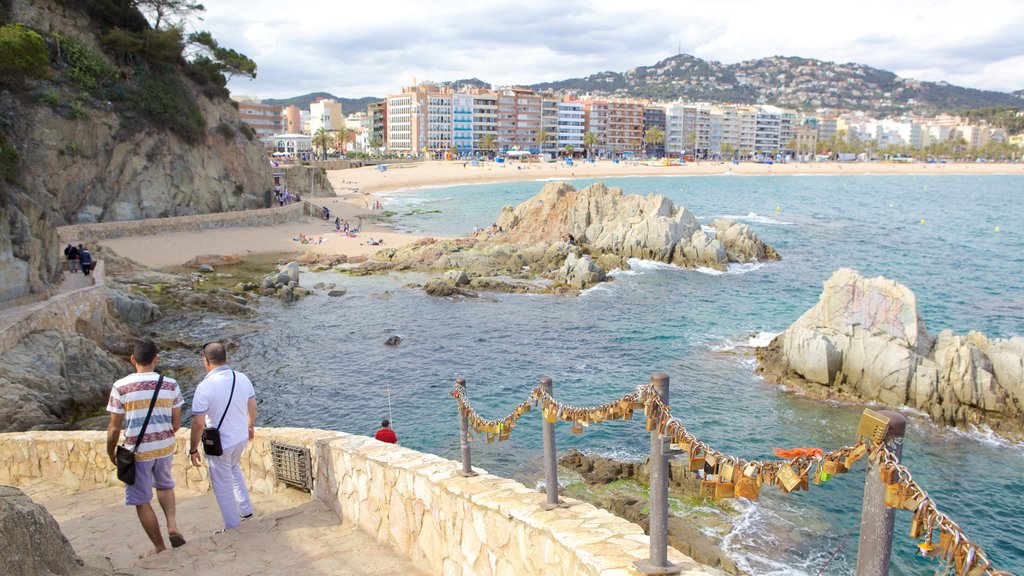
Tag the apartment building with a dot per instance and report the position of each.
(688, 130)
(572, 123)
(419, 121)
(596, 112)
(378, 113)
(519, 118)
(325, 114)
(624, 127)
(292, 117)
(549, 124)
(485, 119)
(654, 118)
(462, 123)
(264, 119)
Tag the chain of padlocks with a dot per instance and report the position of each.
(725, 476)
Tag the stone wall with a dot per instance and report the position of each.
(108, 230)
(60, 312)
(414, 502)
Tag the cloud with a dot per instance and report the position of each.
(369, 49)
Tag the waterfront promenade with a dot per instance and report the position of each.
(289, 534)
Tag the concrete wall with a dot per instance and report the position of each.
(106, 230)
(61, 312)
(414, 502)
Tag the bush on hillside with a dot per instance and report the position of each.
(25, 54)
(8, 161)
(166, 102)
(111, 13)
(85, 68)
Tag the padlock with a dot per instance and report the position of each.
(873, 426)
(747, 488)
(696, 463)
(725, 490)
(788, 478)
(888, 473)
(857, 453)
(707, 489)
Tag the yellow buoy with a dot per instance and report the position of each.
(778, 209)
(922, 220)
(997, 228)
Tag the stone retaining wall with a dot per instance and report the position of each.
(107, 230)
(414, 502)
(62, 311)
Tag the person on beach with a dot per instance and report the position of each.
(128, 404)
(225, 399)
(71, 253)
(85, 259)
(337, 224)
(386, 434)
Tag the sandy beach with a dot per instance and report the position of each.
(356, 188)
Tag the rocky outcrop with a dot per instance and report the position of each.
(564, 240)
(865, 340)
(47, 391)
(604, 220)
(31, 543)
(85, 159)
(284, 283)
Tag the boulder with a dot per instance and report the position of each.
(865, 340)
(205, 268)
(393, 341)
(581, 271)
(31, 543)
(740, 243)
(456, 277)
(336, 293)
(132, 307)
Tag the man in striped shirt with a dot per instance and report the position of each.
(128, 404)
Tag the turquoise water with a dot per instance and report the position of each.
(322, 362)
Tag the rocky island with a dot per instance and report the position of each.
(565, 240)
(865, 341)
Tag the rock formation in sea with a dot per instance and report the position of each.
(865, 341)
(565, 239)
(94, 135)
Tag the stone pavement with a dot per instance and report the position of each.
(289, 534)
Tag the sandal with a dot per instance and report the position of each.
(177, 540)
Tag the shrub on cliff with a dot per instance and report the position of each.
(166, 101)
(25, 54)
(84, 67)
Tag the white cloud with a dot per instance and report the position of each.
(362, 49)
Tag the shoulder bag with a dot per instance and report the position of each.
(126, 458)
(211, 436)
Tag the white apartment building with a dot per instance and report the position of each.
(325, 114)
(462, 123)
(439, 123)
(688, 129)
(401, 121)
(485, 118)
(571, 126)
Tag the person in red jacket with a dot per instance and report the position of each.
(386, 434)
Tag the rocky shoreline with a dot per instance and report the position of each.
(865, 341)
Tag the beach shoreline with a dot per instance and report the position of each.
(358, 189)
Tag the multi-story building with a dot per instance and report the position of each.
(420, 121)
(292, 119)
(571, 126)
(549, 124)
(485, 120)
(519, 118)
(805, 142)
(325, 114)
(654, 118)
(625, 127)
(597, 124)
(264, 119)
(462, 123)
(378, 112)
(767, 128)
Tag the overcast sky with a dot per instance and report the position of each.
(362, 48)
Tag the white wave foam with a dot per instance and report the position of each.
(985, 435)
(620, 272)
(603, 287)
(708, 271)
(757, 218)
(761, 339)
(647, 265)
(736, 268)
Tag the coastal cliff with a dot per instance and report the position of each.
(91, 133)
(865, 341)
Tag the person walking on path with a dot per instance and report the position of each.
(386, 434)
(71, 252)
(85, 259)
(129, 402)
(226, 400)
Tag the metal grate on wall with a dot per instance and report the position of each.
(292, 465)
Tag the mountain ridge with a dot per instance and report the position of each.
(785, 81)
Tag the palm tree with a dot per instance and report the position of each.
(321, 140)
(488, 142)
(727, 150)
(590, 139)
(654, 137)
(375, 144)
(541, 138)
(341, 138)
(569, 149)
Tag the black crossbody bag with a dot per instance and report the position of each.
(211, 436)
(124, 457)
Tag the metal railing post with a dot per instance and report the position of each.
(658, 562)
(550, 464)
(876, 519)
(467, 461)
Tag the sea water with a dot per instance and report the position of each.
(322, 362)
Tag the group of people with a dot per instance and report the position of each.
(283, 196)
(224, 399)
(78, 259)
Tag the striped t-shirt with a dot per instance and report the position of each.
(131, 396)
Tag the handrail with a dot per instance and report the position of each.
(954, 548)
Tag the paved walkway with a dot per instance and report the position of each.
(288, 535)
(10, 315)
